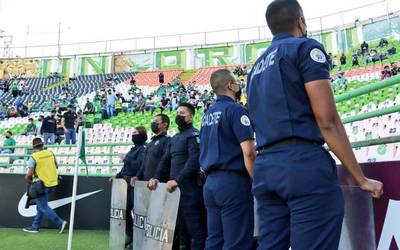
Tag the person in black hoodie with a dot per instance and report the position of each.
(132, 162)
(49, 128)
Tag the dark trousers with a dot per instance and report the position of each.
(129, 208)
(300, 203)
(190, 224)
(230, 211)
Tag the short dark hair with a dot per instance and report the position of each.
(164, 119)
(220, 78)
(142, 131)
(190, 107)
(282, 15)
(37, 143)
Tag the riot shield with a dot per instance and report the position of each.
(154, 217)
(118, 214)
(358, 229)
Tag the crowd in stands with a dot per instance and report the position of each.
(370, 55)
(17, 86)
(108, 102)
(390, 70)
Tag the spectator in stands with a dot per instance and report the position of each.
(354, 61)
(69, 124)
(395, 69)
(23, 110)
(383, 42)
(30, 128)
(372, 57)
(8, 142)
(89, 107)
(386, 72)
(161, 77)
(164, 103)
(340, 81)
(133, 81)
(392, 50)
(111, 98)
(141, 102)
(49, 128)
(104, 114)
(174, 101)
(342, 59)
(118, 104)
(13, 112)
(14, 88)
(150, 104)
(364, 48)
(39, 126)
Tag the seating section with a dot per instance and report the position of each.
(150, 78)
(119, 128)
(202, 76)
(82, 85)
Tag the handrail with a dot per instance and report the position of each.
(371, 114)
(374, 142)
(115, 144)
(367, 89)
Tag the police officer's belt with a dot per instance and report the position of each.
(224, 170)
(289, 141)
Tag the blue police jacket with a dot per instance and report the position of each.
(278, 104)
(225, 125)
(180, 161)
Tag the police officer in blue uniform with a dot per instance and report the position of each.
(291, 105)
(181, 163)
(227, 155)
(132, 162)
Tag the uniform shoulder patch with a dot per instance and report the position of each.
(317, 55)
(245, 120)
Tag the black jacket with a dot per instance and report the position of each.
(49, 125)
(153, 153)
(181, 159)
(132, 161)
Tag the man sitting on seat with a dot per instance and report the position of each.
(10, 142)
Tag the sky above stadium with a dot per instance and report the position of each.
(90, 20)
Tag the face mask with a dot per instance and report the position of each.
(7, 136)
(180, 121)
(304, 31)
(155, 128)
(138, 139)
(238, 94)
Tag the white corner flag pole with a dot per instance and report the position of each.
(74, 187)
